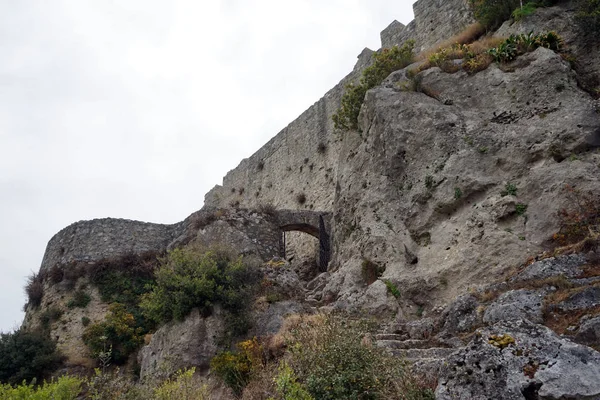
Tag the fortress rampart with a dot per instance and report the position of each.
(297, 168)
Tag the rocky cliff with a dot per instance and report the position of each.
(437, 217)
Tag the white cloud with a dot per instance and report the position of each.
(135, 109)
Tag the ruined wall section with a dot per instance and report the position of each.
(98, 239)
(434, 22)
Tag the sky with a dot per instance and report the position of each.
(136, 108)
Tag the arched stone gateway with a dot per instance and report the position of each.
(314, 223)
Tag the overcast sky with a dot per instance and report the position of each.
(135, 109)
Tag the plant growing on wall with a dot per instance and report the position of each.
(385, 62)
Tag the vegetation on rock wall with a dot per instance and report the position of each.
(385, 62)
(116, 337)
(34, 289)
(190, 279)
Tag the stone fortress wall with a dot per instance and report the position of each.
(300, 161)
(302, 158)
(297, 169)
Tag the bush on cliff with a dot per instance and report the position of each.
(189, 278)
(26, 355)
(385, 62)
(318, 357)
(115, 338)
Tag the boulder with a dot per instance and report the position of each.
(181, 344)
(520, 360)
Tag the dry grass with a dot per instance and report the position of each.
(560, 321)
(468, 35)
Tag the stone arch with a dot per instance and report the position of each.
(316, 224)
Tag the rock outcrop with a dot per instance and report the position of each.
(428, 172)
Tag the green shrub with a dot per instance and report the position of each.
(331, 361)
(588, 15)
(237, 368)
(26, 355)
(190, 279)
(117, 335)
(181, 386)
(288, 386)
(385, 62)
(80, 299)
(64, 388)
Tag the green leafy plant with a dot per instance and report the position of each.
(385, 62)
(124, 280)
(181, 386)
(516, 45)
(64, 388)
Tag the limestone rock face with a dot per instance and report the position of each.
(428, 175)
(520, 360)
(177, 345)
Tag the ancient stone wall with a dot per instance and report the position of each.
(106, 238)
(297, 168)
